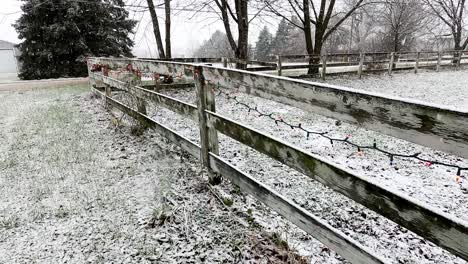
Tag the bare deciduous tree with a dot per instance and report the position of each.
(451, 13)
(157, 33)
(401, 21)
(240, 16)
(323, 15)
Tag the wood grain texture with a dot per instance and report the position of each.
(428, 125)
(187, 145)
(202, 120)
(442, 229)
(334, 239)
(168, 102)
(316, 227)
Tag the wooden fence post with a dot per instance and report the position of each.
(361, 64)
(416, 65)
(141, 105)
(390, 64)
(206, 146)
(108, 93)
(460, 53)
(279, 65)
(324, 66)
(439, 60)
(211, 106)
(225, 62)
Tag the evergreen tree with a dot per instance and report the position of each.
(281, 40)
(263, 46)
(215, 47)
(288, 39)
(58, 34)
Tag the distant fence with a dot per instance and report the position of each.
(344, 63)
(360, 63)
(423, 124)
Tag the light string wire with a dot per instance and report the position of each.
(279, 120)
(346, 140)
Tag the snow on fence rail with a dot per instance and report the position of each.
(339, 63)
(372, 62)
(408, 120)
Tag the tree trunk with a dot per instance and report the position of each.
(223, 6)
(243, 40)
(157, 33)
(167, 4)
(457, 40)
(308, 36)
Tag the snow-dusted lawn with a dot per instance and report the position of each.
(77, 188)
(445, 87)
(433, 186)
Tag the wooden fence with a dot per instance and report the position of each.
(343, 63)
(360, 63)
(423, 124)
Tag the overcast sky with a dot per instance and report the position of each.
(187, 33)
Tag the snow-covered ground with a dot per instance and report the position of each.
(77, 187)
(433, 186)
(446, 87)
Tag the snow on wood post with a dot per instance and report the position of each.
(211, 106)
(324, 66)
(205, 144)
(361, 64)
(279, 65)
(439, 59)
(108, 92)
(390, 64)
(416, 64)
(460, 53)
(141, 106)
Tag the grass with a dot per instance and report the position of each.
(71, 183)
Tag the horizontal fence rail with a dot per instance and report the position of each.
(318, 228)
(435, 127)
(435, 226)
(411, 117)
(170, 103)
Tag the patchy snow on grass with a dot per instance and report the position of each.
(448, 88)
(433, 186)
(77, 187)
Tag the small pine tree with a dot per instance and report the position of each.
(263, 46)
(58, 34)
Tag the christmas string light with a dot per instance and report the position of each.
(279, 120)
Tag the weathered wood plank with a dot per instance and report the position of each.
(187, 145)
(261, 68)
(443, 230)
(202, 120)
(316, 227)
(390, 64)
(425, 124)
(361, 64)
(211, 106)
(439, 59)
(279, 65)
(168, 102)
(184, 71)
(324, 67)
(416, 64)
(163, 86)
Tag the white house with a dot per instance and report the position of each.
(8, 60)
